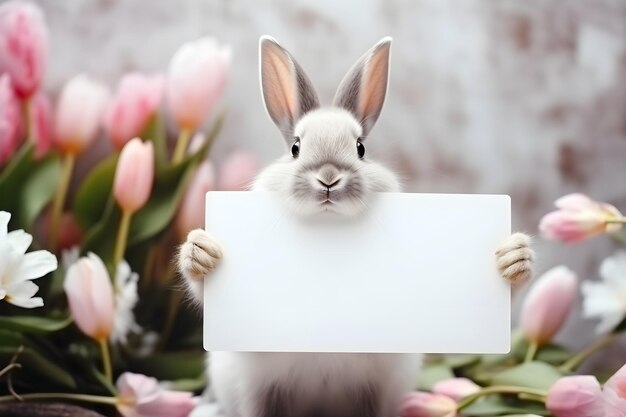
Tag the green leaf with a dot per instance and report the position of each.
(432, 374)
(100, 238)
(170, 365)
(553, 354)
(460, 361)
(93, 195)
(33, 362)
(534, 374)
(495, 406)
(190, 385)
(155, 132)
(38, 189)
(34, 324)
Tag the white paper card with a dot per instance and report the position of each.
(415, 273)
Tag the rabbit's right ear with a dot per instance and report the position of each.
(287, 91)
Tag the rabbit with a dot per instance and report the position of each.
(326, 168)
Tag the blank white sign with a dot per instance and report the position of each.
(415, 273)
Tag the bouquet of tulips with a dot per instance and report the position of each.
(537, 378)
(99, 192)
(103, 210)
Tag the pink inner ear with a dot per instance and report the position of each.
(374, 87)
(279, 86)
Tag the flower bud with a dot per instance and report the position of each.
(134, 175)
(548, 303)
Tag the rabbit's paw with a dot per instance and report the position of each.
(198, 255)
(515, 258)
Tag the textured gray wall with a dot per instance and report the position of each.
(520, 97)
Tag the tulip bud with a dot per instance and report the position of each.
(197, 76)
(456, 388)
(134, 175)
(41, 124)
(23, 46)
(79, 114)
(424, 404)
(576, 396)
(547, 304)
(191, 214)
(615, 394)
(141, 396)
(578, 218)
(90, 296)
(10, 120)
(238, 171)
(137, 98)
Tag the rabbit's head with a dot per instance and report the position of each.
(327, 167)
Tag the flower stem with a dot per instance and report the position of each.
(28, 121)
(575, 361)
(122, 238)
(96, 399)
(535, 394)
(172, 312)
(532, 351)
(181, 145)
(621, 220)
(106, 359)
(59, 199)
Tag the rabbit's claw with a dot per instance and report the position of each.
(515, 258)
(198, 255)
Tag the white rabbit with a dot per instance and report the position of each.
(326, 168)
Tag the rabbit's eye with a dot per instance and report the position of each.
(295, 148)
(360, 149)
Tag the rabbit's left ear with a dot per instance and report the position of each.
(363, 89)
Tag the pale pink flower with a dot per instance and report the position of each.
(238, 171)
(197, 76)
(614, 392)
(10, 120)
(141, 396)
(79, 114)
(134, 175)
(90, 296)
(578, 217)
(41, 124)
(425, 404)
(23, 45)
(548, 303)
(137, 99)
(456, 388)
(191, 213)
(576, 396)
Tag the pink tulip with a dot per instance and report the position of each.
(615, 394)
(191, 214)
(90, 296)
(578, 218)
(134, 175)
(138, 97)
(79, 114)
(238, 171)
(10, 120)
(197, 76)
(41, 125)
(548, 303)
(141, 396)
(576, 396)
(456, 388)
(23, 45)
(425, 404)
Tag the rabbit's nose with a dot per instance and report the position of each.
(327, 185)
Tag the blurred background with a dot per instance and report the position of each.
(526, 98)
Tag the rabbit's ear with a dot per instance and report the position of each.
(287, 91)
(363, 89)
